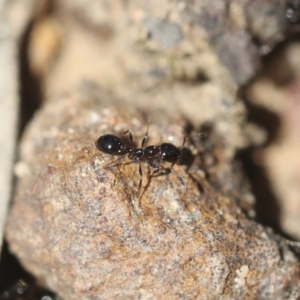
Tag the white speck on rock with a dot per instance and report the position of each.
(240, 279)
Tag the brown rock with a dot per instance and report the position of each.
(236, 32)
(84, 232)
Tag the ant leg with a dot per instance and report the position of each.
(130, 137)
(113, 163)
(145, 137)
(188, 136)
(141, 178)
(180, 151)
(184, 140)
(183, 185)
(156, 167)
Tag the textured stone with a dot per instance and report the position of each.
(83, 231)
(236, 32)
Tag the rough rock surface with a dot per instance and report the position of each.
(135, 45)
(84, 232)
(236, 32)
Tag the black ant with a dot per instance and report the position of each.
(167, 152)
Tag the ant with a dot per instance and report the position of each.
(167, 152)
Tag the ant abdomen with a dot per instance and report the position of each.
(110, 144)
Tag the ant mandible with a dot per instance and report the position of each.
(167, 152)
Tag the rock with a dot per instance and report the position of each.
(234, 32)
(83, 231)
